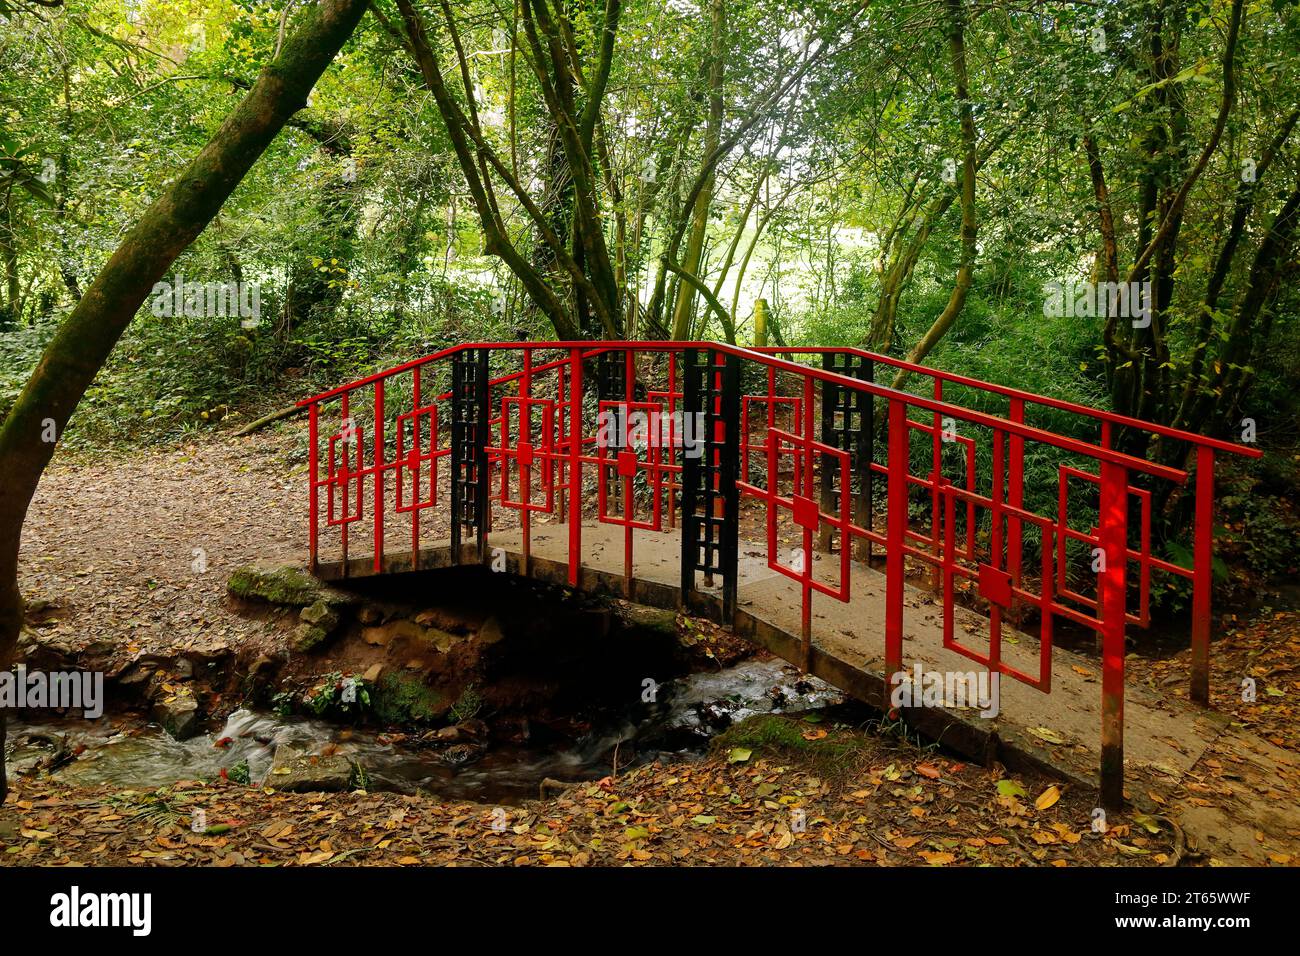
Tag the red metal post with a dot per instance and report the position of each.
(1016, 498)
(351, 433)
(995, 546)
(312, 507)
(629, 499)
(1202, 574)
(936, 466)
(525, 473)
(809, 394)
(415, 482)
(894, 537)
(379, 476)
(575, 464)
(560, 401)
(1113, 532)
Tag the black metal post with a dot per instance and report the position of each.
(469, 461)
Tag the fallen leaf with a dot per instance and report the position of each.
(1010, 788)
(1047, 734)
(1148, 823)
(936, 859)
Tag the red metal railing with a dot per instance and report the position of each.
(524, 440)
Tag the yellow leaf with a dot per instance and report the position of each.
(936, 859)
(1048, 734)
(1146, 822)
(1048, 798)
(1068, 835)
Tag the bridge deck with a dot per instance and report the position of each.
(1059, 731)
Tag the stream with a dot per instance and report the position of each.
(127, 752)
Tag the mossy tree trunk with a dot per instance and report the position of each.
(84, 340)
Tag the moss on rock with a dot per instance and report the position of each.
(320, 614)
(286, 586)
(308, 637)
(405, 699)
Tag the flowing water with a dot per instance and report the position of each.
(124, 752)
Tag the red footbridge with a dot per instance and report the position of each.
(862, 532)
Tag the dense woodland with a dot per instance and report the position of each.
(918, 177)
(210, 210)
(905, 175)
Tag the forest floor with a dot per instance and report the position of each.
(1263, 646)
(136, 549)
(798, 793)
(112, 552)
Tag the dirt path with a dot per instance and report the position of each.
(136, 550)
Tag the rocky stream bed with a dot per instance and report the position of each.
(466, 696)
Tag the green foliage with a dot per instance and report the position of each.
(401, 698)
(783, 737)
(1258, 528)
(358, 230)
(467, 706)
(326, 698)
(239, 774)
(764, 731)
(20, 350)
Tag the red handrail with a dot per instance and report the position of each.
(589, 349)
(1045, 400)
(566, 450)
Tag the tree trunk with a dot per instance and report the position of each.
(899, 260)
(84, 340)
(966, 267)
(11, 307)
(694, 254)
